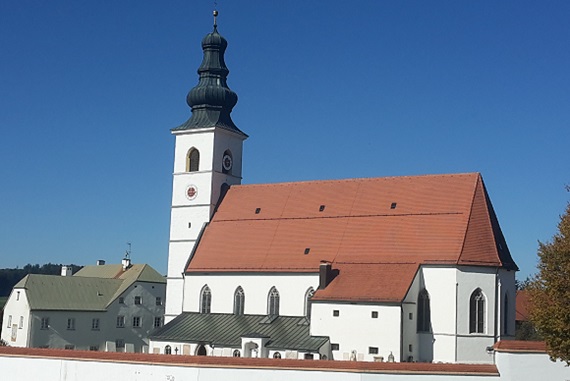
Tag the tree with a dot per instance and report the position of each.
(550, 292)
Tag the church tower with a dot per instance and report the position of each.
(207, 160)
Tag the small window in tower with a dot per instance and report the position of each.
(189, 225)
(411, 316)
(307, 250)
(321, 208)
(257, 210)
(410, 348)
(393, 206)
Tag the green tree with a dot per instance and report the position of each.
(550, 291)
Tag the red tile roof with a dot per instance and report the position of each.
(520, 346)
(522, 305)
(446, 219)
(254, 363)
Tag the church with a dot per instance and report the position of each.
(399, 269)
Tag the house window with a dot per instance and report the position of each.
(94, 348)
(9, 321)
(335, 347)
(121, 300)
(17, 295)
(424, 318)
(477, 312)
(44, 323)
(138, 300)
(309, 356)
(239, 301)
(136, 321)
(157, 322)
(373, 350)
(205, 300)
(273, 302)
(158, 301)
(193, 160)
(374, 314)
(308, 295)
(236, 353)
(120, 321)
(336, 313)
(69, 346)
(71, 324)
(119, 343)
(95, 324)
(21, 322)
(168, 350)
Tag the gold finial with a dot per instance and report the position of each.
(215, 18)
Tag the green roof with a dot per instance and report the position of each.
(92, 288)
(285, 332)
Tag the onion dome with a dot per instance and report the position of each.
(211, 100)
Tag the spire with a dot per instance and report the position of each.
(211, 100)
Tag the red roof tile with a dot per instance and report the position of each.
(520, 346)
(522, 305)
(436, 219)
(254, 363)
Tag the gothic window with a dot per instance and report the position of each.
(424, 318)
(308, 295)
(201, 350)
(273, 302)
(168, 350)
(477, 312)
(193, 160)
(205, 300)
(239, 301)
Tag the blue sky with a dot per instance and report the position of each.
(90, 89)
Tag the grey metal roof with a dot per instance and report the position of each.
(285, 332)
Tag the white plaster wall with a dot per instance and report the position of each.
(174, 297)
(18, 307)
(291, 287)
(530, 366)
(507, 288)
(355, 329)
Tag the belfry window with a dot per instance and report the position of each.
(193, 160)
(273, 302)
(239, 301)
(477, 312)
(424, 318)
(205, 300)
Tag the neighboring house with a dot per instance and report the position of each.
(386, 269)
(101, 308)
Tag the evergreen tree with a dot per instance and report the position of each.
(550, 292)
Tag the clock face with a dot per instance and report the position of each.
(227, 162)
(191, 192)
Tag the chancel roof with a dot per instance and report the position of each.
(384, 227)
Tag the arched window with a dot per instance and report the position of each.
(239, 301)
(308, 295)
(277, 355)
(237, 353)
(477, 312)
(273, 302)
(506, 315)
(201, 350)
(167, 350)
(205, 300)
(424, 313)
(193, 160)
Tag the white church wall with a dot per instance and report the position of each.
(16, 323)
(292, 289)
(507, 288)
(201, 139)
(353, 328)
(227, 140)
(471, 347)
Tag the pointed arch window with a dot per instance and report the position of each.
(205, 300)
(477, 312)
(193, 160)
(424, 312)
(308, 295)
(239, 301)
(273, 302)
(168, 350)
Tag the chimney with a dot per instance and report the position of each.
(66, 271)
(126, 263)
(100, 262)
(325, 274)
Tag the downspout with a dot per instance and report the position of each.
(401, 331)
(456, 318)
